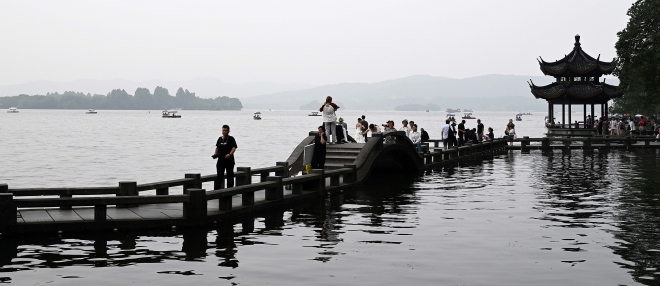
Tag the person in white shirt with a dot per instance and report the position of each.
(405, 127)
(445, 134)
(632, 127)
(329, 119)
(416, 138)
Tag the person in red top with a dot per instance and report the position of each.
(642, 125)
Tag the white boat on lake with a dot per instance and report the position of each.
(91, 111)
(12, 110)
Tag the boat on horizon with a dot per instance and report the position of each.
(467, 110)
(170, 114)
(314, 113)
(12, 110)
(449, 110)
(91, 111)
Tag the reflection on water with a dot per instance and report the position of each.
(554, 219)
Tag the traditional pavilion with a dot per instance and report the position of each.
(577, 83)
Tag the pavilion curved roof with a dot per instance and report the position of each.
(577, 62)
(576, 89)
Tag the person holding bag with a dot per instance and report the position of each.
(329, 119)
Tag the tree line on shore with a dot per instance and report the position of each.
(119, 99)
(638, 60)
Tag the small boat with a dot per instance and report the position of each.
(12, 110)
(314, 113)
(91, 111)
(519, 117)
(526, 113)
(427, 110)
(256, 116)
(449, 110)
(468, 115)
(451, 116)
(170, 114)
(467, 110)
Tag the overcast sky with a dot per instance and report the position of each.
(314, 42)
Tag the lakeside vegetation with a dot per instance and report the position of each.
(638, 60)
(119, 99)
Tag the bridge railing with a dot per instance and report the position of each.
(587, 142)
(273, 179)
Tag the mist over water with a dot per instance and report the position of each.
(515, 219)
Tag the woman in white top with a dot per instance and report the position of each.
(416, 138)
(632, 127)
(329, 119)
(359, 138)
(613, 127)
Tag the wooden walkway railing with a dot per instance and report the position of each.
(274, 181)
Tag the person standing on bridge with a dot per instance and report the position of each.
(224, 152)
(445, 135)
(318, 159)
(329, 118)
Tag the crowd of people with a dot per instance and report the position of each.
(335, 130)
(625, 126)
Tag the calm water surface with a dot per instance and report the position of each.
(517, 219)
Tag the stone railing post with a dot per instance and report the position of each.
(246, 179)
(276, 192)
(285, 172)
(195, 209)
(196, 183)
(321, 181)
(8, 210)
(127, 189)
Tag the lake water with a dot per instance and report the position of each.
(518, 219)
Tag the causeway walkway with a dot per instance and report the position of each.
(94, 209)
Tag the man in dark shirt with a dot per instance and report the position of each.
(461, 133)
(364, 123)
(480, 130)
(224, 152)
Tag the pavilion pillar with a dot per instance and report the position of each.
(563, 115)
(584, 115)
(550, 112)
(606, 111)
(592, 116)
(570, 122)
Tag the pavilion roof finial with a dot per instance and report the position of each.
(577, 40)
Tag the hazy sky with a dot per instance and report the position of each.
(315, 42)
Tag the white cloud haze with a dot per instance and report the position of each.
(314, 42)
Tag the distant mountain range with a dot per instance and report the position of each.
(204, 87)
(488, 92)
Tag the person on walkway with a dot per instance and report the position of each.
(480, 130)
(445, 134)
(453, 141)
(405, 127)
(329, 118)
(365, 124)
(389, 128)
(510, 125)
(224, 152)
(490, 136)
(631, 126)
(642, 126)
(425, 135)
(318, 159)
(416, 138)
(461, 133)
(613, 127)
(359, 130)
(344, 128)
